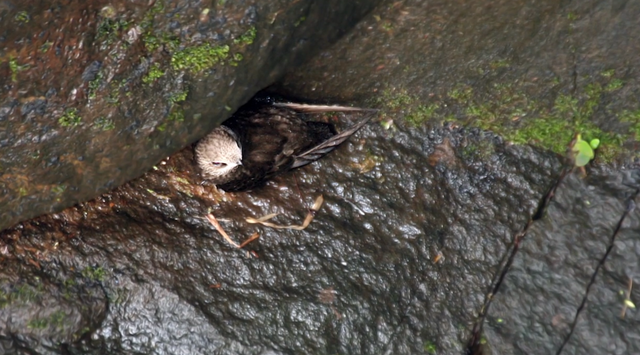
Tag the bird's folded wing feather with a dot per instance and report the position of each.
(306, 108)
(330, 144)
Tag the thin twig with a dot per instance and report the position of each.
(253, 237)
(312, 212)
(212, 219)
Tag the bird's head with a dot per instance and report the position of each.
(218, 154)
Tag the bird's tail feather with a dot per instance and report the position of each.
(330, 144)
(320, 108)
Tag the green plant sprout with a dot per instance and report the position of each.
(583, 151)
(627, 299)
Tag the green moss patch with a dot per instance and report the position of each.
(96, 274)
(198, 58)
(56, 320)
(15, 68)
(154, 74)
(70, 117)
(632, 118)
(23, 293)
(508, 111)
(247, 38)
(110, 29)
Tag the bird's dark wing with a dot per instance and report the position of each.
(330, 144)
(270, 136)
(275, 139)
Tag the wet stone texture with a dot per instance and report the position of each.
(513, 67)
(534, 71)
(419, 211)
(95, 92)
(364, 277)
(534, 311)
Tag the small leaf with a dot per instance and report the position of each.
(386, 124)
(594, 143)
(582, 152)
(629, 304)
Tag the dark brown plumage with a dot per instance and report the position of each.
(264, 140)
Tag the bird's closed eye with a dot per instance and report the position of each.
(217, 163)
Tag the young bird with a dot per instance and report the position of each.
(262, 140)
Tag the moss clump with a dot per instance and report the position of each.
(109, 30)
(414, 113)
(70, 117)
(178, 97)
(551, 128)
(58, 189)
(115, 87)
(614, 85)
(236, 59)
(40, 323)
(430, 348)
(24, 293)
(422, 114)
(569, 115)
(463, 94)
(609, 73)
(393, 100)
(247, 37)
(56, 319)
(177, 115)
(104, 124)
(45, 46)
(154, 74)
(501, 63)
(15, 68)
(633, 119)
(300, 21)
(147, 21)
(5, 299)
(94, 84)
(22, 17)
(481, 149)
(96, 274)
(507, 111)
(153, 42)
(198, 58)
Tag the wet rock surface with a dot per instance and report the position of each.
(505, 67)
(535, 310)
(534, 72)
(364, 277)
(95, 93)
(416, 224)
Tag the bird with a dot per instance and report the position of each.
(264, 139)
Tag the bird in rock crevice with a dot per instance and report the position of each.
(265, 139)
